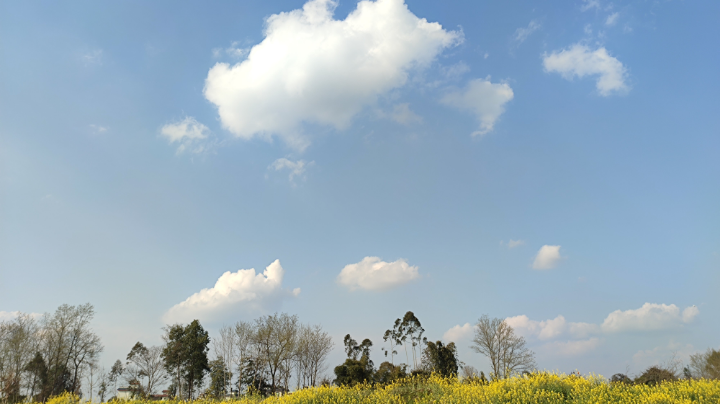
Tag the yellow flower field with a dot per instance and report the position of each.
(545, 388)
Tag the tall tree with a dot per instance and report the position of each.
(185, 355)
(507, 352)
(440, 358)
(357, 368)
(275, 338)
(146, 363)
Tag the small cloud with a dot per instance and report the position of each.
(98, 129)
(612, 19)
(297, 168)
(587, 29)
(521, 34)
(547, 258)
(649, 317)
(93, 58)
(580, 61)
(589, 5)
(459, 333)
(485, 99)
(515, 243)
(374, 274)
(402, 114)
(189, 133)
(241, 290)
(486, 55)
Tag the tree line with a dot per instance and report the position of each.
(43, 356)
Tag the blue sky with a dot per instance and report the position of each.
(523, 160)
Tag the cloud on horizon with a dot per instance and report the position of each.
(313, 68)
(243, 290)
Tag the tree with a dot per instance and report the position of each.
(705, 365)
(146, 363)
(655, 375)
(313, 347)
(412, 329)
(355, 370)
(69, 344)
(441, 359)
(185, 355)
(388, 373)
(116, 371)
(224, 348)
(275, 337)
(507, 352)
(37, 369)
(219, 378)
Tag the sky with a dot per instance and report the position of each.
(551, 163)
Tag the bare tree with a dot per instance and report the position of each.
(244, 335)
(705, 365)
(507, 352)
(225, 347)
(275, 339)
(146, 363)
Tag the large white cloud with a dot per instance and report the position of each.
(580, 61)
(484, 99)
(548, 257)
(649, 317)
(313, 68)
(374, 274)
(243, 290)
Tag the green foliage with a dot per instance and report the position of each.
(441, 359)
(185, 354)
(655, 375)
(220, 377)
(388, 373)
(355, 371)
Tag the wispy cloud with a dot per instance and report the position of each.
(612, 19)
(190, 135)
(521, 34)
(296, 169)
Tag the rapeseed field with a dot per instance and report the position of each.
(538, 388)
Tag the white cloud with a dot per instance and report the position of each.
(374, 274)
(189, 133)
(515, 243)
(649, 317)
(296, 168)
(459, 333)
(590, 4)
(612, 19)
(580, 61)
(548, 257)
(521, 34)
(313, 68)
(571, 348)
(485, 99)
(402, 114)
(241, 290)
(551, 329)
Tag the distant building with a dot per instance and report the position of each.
(124, 393)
